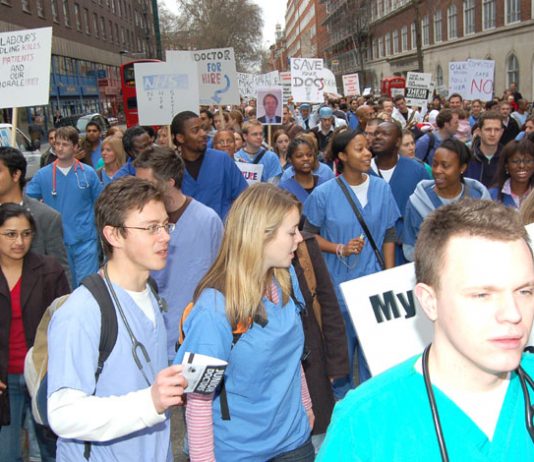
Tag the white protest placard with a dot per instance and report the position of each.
(251, 172)
(285, 83)
(25, 67)
(165, 89)
(481, 77)
(246, 85)
(391, 325)
(459, 78)
(269, 80)
(351, 85)
(367, 91)
(218, 83)
(418, 88)
(307, 84)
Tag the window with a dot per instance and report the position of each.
(95, 24)
(469, 17)
(117, 38)
(425, 31)
(452, 22)
(513, 11)
(375, 49)
(414, 38)
(437, 27)
(404, 38)
(86, 21)
(512, 71)
(489, 12)
(388, 44)
(381, 47)
(395, 42)
(111, 31)
(26, 6)
(40, 8)
(102, 27)
(53, 8)
(77, 17)
(66, 13)
(439, 76)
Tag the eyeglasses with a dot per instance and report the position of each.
(521, 161)
(154, 229)
(13, 235)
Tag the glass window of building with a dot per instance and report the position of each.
(77, 17)
(103, 27)
(452, 22)
(39, 8)
(469, 17)
(437, 27)
(489, 9)
(388, 44)
(95, 24)
(404, 38)
(513, 11)
(395, 41)
(66, 13)
(53, 8)
(512, 70)
(439, 76)
(413, 36)
(86, 21)
(381, 47)
(425, 31)
(25, 6)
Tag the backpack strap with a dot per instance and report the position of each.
(99, 174)
(431, 143)
(108, 331)
(259, 156)
(309, 274)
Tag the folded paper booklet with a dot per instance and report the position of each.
(203, 373)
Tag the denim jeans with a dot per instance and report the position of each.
(304, 453)
(10, 436)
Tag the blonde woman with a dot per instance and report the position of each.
(244, 313)
(113, 156)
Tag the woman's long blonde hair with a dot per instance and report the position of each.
(116, 146)
(238, 272)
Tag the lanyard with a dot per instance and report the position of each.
(76, 164)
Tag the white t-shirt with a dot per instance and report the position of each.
(361, 191)
(385, 174)
(142, 300)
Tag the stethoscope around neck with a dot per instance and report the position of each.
(524, 379)
(84, 184)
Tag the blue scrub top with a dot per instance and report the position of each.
(73, 339)
(323, 171)
(327, 208)
(388, 418)
(262, 380)
(76, 194)
(270, 162)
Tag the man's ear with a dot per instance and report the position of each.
(113, 236)
(17, 176)
(428, 300)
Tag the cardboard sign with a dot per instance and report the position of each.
(418, 89)
(269, 80)
(329, 82)
(251, 172)
(25, 67)
(458, 78)
(245, 83)
(481, 78)
(285, 82)
(307, 82)
(351, 85)
(391, 325)
(165, 89)
(269, 103)
(218, 83)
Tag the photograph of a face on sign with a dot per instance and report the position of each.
(269, 104)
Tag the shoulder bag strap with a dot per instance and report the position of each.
(259, 156)
(311, 281)
(362, 223)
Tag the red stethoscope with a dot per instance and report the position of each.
(77, 164)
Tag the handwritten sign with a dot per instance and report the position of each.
(285, 82)
(271, 79)
(391, 325)
(418, 89)
(251, 172)
(25, 67)
(307, 83)
(217, 74)
(165, 89)
(246, 85)
(481, 77)
(351, 85)
(329, 82)
(459, 78)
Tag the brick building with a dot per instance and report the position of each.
(91, 38)
(453, 30)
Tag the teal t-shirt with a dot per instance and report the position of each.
(388, 418)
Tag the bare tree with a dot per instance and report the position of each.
(203, 24)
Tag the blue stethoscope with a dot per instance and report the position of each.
(82, 184)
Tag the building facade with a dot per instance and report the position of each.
(91, 39)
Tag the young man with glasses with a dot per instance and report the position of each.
(123, 413)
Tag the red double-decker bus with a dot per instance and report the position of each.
(129, 97)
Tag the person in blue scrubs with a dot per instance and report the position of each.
(123, 413)
(72, 189)
(254, 153)
(515, 173)
(195, 240)
(92, 145)
(346, 248)
(402, 174)
(210, 176)
(302, 155)
(113, 157)
(475, 282)
(251, 291)
(448, 185)
(135, 140)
